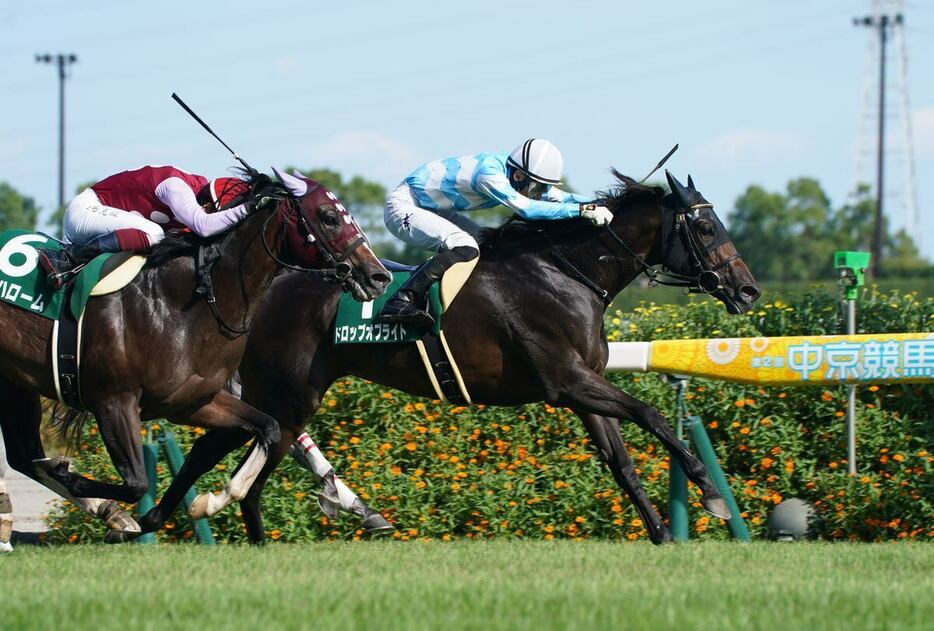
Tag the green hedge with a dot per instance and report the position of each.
(529, 472)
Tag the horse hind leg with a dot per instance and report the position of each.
(334, 495)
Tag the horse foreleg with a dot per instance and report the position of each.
(250, 505)
(334, 494)
(612, 450)
(589, 392)
(228, 412)
(206, 452)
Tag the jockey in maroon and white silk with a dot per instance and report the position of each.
(132, 210)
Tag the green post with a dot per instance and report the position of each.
(148, 501)
(677, 478)
(677, 502)
(173, 455)
(704, 450)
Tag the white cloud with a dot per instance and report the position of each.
(750, 144)
(922, 128)
(368, 153)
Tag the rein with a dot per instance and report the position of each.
(707, 281)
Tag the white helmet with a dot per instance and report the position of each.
(540, 159)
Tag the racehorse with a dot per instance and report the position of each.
(156, 349)
(526, 327)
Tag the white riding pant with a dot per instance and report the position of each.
(435, 230)
(86, 218)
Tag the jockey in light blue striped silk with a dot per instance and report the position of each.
(428, 209)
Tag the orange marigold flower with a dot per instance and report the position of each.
(411, 446)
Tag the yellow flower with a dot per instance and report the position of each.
(411, 446)
(354, 440)
(275, 535)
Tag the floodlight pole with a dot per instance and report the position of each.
(62, 61)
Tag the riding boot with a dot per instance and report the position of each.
(59, 265)
(409, 304)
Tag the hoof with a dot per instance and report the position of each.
(5, 547)
(716, 506)
(662, 537)
(199, 508)
(376, 524)
(121, 536)
(329, 505)
(116, 518)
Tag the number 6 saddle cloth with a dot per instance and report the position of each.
(23, 284)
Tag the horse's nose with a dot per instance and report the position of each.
(380, 278)
(749, 293)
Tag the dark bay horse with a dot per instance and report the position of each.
(527, 327)
(156, 349)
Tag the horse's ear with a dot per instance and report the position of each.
(296, 186)
(677, 188)
(691, 183)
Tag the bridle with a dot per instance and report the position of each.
(704, 278)
(338, 270)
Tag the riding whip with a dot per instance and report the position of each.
(660, 164)
(236, 156)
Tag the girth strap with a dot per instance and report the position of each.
(66, 355)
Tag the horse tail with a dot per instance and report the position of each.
(69, 423)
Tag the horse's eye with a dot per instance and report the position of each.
(329, 216)
(705, 228)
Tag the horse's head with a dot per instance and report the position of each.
(696, 246)
(321, 233)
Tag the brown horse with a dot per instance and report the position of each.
(156, 349)
(527, 327)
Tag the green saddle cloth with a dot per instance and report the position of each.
(23, 283)
(356, 321)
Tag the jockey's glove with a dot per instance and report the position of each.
(597, 215)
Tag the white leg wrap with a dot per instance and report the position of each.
(345, 496)
(333, 490)
(318, 464)
(209, 504)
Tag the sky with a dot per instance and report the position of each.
(755, 92)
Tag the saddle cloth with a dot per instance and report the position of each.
(356, 324)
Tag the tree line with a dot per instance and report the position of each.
(788, 235)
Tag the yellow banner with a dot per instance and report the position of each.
(825, 359)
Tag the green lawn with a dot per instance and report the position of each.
(467, 585)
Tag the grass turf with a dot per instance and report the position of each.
(471, 585)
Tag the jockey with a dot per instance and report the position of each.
(428, 210)
(132, 210)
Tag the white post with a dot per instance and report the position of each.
(851, 397)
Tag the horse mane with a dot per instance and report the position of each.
(183, 243)
(626, 194)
